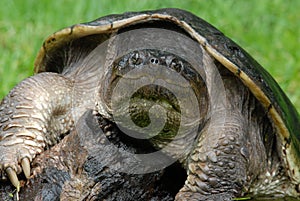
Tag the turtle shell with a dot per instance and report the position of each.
(281, 111)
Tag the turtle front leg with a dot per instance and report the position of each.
(216, 168)
(229, 153)
(33, 115)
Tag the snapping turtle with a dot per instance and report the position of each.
(177, 87)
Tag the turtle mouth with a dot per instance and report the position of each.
(155, 72)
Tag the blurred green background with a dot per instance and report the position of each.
(268, 30)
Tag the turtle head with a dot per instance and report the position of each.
(158, 96)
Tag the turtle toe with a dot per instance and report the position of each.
(13, 161)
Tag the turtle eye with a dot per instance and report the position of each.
(176, 65)
(136, 58)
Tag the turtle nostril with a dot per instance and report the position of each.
(154, 61)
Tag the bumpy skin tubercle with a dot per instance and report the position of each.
(32, 116)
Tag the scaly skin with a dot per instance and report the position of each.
(32, 116)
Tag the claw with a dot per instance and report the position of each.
(12, 175)
(26, 167)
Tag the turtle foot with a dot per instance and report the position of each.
(13, 161)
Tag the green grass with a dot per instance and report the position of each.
(268, 30)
